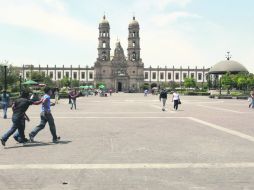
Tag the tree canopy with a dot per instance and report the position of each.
(12, 75)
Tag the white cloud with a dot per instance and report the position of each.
(167, 18)
(168, 48)
(37, 16)
(56, 4)
(158, 5)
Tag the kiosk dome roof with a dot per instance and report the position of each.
(227, 66)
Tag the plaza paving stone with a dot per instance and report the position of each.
(127, 142)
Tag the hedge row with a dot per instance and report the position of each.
(229, 97)
(197, 93)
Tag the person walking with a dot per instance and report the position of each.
(251, 105)
(163, 97)
(46, 117)
(175, 99)
(145, 92)
(56, 96)
(74, 96)
(5, 99)
(19, 116)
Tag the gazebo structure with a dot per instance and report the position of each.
(223, 67)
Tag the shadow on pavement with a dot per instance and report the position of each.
(37, 143)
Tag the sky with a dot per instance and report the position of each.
(173, 32)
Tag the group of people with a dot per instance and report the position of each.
(175, 98)
(19, 118)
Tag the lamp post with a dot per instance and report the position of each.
(220, 85)
(5, 80)
(20, 81)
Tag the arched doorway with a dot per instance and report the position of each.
(119, 87)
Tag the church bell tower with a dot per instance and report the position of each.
(134, 41)
(104, 40)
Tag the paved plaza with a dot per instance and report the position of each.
(125, 142)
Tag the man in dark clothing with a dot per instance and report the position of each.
(19, 107)
(73, 94)
(163, 96)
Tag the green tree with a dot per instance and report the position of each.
(12, 75)
(250, 81)
(145, 86)
(75, 83)
(227, 82)
(48, 81)
(37, 77)
(189, 83)
(173, 84)
(65, 82)
(242, 82)
(164, 85)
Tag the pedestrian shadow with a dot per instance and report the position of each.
(37, 144)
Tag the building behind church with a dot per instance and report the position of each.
(119, 72)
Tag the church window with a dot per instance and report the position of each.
(104, 44)
(104, 57)
(133, 34)
(134, 44)
(104, 34)
(51, 74)
(169, 76)
(90, 75)
(177, 76)
(199, 76)
(154, 75)
(146, 75)
(59, 75)
(133, 56)
(161, 76)
(75, 75)
(27, 74)
(83, 75)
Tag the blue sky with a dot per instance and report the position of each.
(173, 32)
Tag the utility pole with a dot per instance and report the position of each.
(20, 81)
(5, 80)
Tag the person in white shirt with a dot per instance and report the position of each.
(175, 99)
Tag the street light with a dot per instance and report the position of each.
(220, 85)
(5, 80)
(20, 81)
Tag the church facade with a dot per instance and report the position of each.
(119, 72)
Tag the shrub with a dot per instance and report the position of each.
(197, 93)
(63, 95)
(236, 94)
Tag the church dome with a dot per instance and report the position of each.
(228, 65)
(104, 22)
(134, 23)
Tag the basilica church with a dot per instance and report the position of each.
(119, 72)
